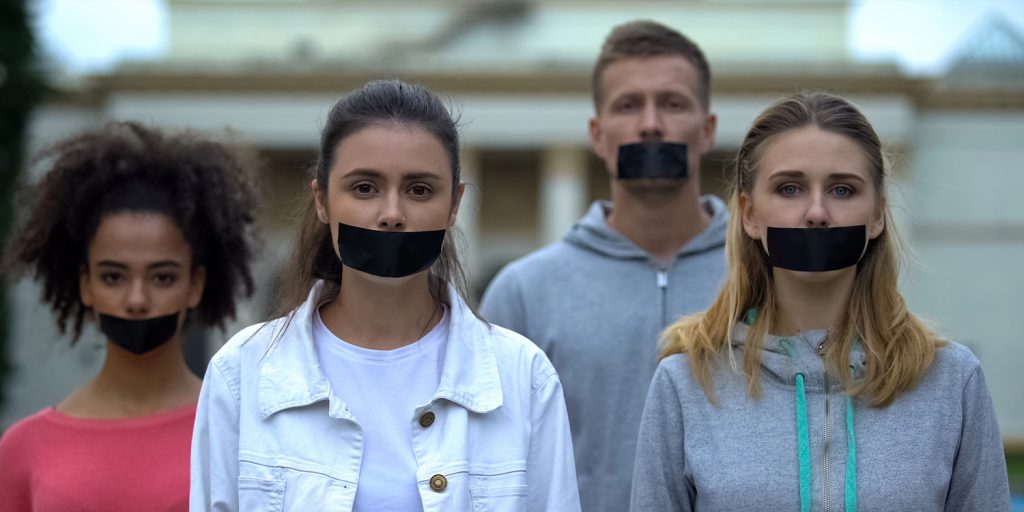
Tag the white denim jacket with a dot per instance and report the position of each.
(271, 435)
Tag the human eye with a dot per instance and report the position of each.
(673, 104)
(165, 278)
(420, 190)
(111, 278)
(625, 105)
(788, 189)
(364, 188)
(843, 191)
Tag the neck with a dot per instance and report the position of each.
(804, 305)
(658, 221)
(134, 385)
(371, 315)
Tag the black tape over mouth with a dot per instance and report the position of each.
(652, 160)
(816, 249)
(388, 253)
(139, 336)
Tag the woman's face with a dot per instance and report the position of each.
(139, 266)
(393, 177)
(808, 177)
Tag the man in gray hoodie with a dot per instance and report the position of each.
(597, 300)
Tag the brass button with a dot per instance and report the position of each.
(427, 419)
(438, 483)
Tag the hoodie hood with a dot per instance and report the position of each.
(782, 357)
(593, 233)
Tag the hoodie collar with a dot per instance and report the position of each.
(782, 357)
(290, 373)
(593, 232)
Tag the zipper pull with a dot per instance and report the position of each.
(662, 279)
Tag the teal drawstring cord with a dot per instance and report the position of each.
(851, 459)
(804, 445)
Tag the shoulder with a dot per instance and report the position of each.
(249, 345)
(21, 437)
(954, 362)
(540, 262)
(517, 355)
(674, 370)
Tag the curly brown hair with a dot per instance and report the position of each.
(206, 187)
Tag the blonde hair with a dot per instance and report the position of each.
(898, 345)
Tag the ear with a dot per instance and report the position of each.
(456, 202)
(596, 137)
(321, 211)
(196, 287)
(84, 291)
(750, 223)
(708, 133)
(877, 222)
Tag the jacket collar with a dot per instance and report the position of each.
(290, 373)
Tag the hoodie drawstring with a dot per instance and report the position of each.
(804, 446)
(851, 459)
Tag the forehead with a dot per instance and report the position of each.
(393, 147)
(813, 151)
(139, 238)
(662, 73)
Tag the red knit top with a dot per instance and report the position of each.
(52, 462)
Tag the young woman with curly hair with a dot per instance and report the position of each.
(808, 384)
(138, 231)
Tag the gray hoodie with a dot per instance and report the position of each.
(936, 447)
(596, 303)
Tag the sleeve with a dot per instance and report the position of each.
(979, 480)
(214, 474)
(659, 472)
(551, 470)
(15, 482)
(502, 303)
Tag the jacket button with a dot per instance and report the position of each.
(427, 419)
(438, 483)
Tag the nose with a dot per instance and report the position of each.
(817, 213)
(392, 216)
(650, 123)
(137, 301)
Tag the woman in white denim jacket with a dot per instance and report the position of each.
(382, 389)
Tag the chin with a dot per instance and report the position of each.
(386, 281)
(653, 186)
(816, 277)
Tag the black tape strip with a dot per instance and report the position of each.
(388, 253)
(816, 249)
(647, 160)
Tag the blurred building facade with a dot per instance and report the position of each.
(518, 71)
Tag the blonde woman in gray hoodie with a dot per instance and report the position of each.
(808, 385)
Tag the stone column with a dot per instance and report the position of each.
(563, 190)
(469, 212)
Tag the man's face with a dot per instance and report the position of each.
(651, 99)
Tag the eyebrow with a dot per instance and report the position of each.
(834, 176)
(121, 266)
(370, 173)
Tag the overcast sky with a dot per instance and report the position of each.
(919, 35)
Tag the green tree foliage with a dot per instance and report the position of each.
(21, 88)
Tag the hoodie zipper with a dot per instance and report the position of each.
(662, 281)
(827, 430)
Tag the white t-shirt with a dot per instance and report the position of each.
(382, 388)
